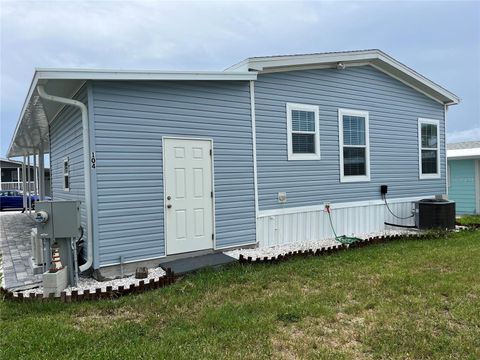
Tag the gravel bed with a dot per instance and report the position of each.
(274, 251)
(91, 284)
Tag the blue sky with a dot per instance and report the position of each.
(439, 39)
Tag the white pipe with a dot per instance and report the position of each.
(18, 178)
(41, 174)
(29, 198)
(35, 176)
(24, 181)
(86, 166)
(254, 145)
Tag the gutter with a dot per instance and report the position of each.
(86, 166)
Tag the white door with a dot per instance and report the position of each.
(188, 195)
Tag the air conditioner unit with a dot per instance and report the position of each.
(435, 213)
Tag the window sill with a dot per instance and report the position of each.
(303, 156)
(429, 176)
(349, 179)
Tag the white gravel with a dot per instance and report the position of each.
(274, 251)
(91, 284)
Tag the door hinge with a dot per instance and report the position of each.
(213, 237)
(211, 194)
(210, 152)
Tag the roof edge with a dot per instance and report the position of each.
(373, 57)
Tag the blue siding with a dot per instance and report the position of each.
(66, 141)
(462, 185)
(394, 109)
(130, 120)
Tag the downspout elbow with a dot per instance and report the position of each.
(86, 166)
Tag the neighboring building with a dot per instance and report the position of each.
(464, 176)
(11, 176)
(184, 161)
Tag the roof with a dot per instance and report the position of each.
(373, 57)
(32, 126)
(464, 150)
(464, 145)
(31, 132)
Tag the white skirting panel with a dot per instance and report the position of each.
(312, 223)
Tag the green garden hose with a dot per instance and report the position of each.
(343, 239)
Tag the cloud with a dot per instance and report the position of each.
(209, 35)
(464, 135)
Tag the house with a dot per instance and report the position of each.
(464, 176)
(173, 163)
(12, 176)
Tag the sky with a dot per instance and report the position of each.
(439, 39)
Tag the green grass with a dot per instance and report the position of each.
(467, 220)
(406, 299)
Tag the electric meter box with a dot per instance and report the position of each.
(62, 220)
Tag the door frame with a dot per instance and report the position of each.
(165, 230)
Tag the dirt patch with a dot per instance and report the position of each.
(341, 335)
(107, 318)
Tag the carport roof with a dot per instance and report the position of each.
(31, 133)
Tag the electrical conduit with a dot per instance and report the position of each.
(86, 166)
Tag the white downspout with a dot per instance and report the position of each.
(86, 167)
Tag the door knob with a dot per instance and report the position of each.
(169, 197)
(169, 206)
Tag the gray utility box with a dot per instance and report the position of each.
(63, 219)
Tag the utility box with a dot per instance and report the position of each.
(59, 228)
(58, 219)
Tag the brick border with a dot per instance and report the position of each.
(332, 249)
(168, 279)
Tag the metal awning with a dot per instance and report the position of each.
(32, 135)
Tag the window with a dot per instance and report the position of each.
(429, 146)
(303, 132)
(354, 145)
(66, 175)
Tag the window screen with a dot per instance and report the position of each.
(303, 132)
(354, 146)
(66, 174)
(429, 148)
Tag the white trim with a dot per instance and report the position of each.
(214, 244)
(41, 75)
(254, 146)
(403, 81)
(463, 153)
(447, 175)
(374, 57)
(311, 67)
(118, 74)
(365, 115)
(66, 160)
(236, 246)
(477, 185)
(341, 205)
(437, 124)
(302, 107)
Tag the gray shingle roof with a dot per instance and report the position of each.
(464, 145)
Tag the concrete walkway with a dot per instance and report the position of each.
(16, 250)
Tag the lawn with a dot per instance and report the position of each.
(469, 220)
(405, 299)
